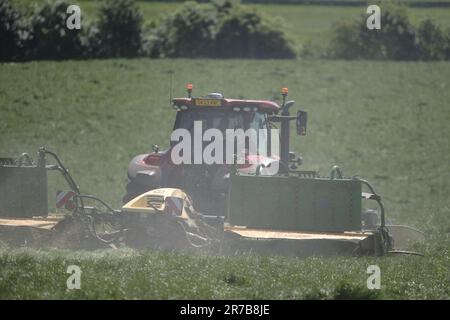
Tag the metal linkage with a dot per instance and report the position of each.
(60, 167)
(386, 239)
(90, 216)
(374, 196)
(80, 208)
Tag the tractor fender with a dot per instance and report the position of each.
(143, 174)
(137, 164)
(149, 178)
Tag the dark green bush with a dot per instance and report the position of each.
(432, 41)
(13, 32)
(217, 29)
(90, 40)
(346, 42)
(119, 29)
(447, 47)
(396, 40)
(188, 32)
(221, 29)
(246, 34)
(51, 39)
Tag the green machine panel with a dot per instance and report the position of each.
(294, 203)
(23, 191)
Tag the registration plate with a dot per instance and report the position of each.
(208, 102)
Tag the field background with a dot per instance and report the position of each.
(305, 23)
(385, 121)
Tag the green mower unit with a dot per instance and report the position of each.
(301, 204)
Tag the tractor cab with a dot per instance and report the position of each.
(240, 132)
(227, 115)
(214, 112)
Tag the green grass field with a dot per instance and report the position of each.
(385, 121)
(127, 274)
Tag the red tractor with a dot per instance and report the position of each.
(207, 184)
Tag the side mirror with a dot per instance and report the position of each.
(302, 119)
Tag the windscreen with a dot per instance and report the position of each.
(222, 120)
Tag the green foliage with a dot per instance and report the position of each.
(397, 39)
(51, 39)
(219, 30)
(434, 43)
(119, 28)
(420, 3)
(346, 41)
(188, 32)
(12, 31)
(117, 33)
(247, 34)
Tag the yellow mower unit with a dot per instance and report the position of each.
(165, 219)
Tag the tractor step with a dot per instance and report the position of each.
(31, 232)
(35, 222)
(295, 235)
(300, 244)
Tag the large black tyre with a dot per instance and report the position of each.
(133, 190)
(369, 219)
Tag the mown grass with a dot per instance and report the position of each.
(128, 274)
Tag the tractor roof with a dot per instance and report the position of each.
(213, 102)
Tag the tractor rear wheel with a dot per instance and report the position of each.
(370, 219)
(132, 191)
